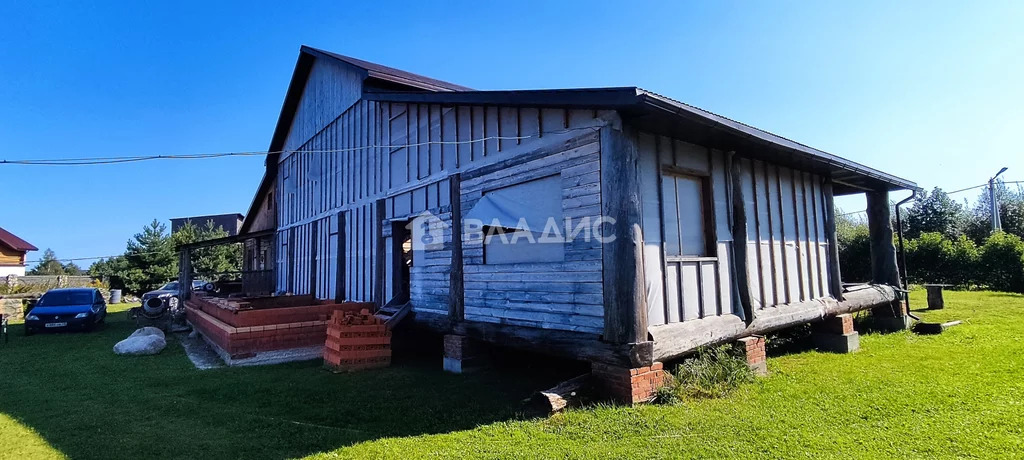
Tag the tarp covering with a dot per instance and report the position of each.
(526, 206)
(534, 206)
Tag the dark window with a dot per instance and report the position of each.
(687, 214)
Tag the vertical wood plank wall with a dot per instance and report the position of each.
(787, 246)
(684, 288)
(372, 151)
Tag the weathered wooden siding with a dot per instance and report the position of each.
(564, 295)
(684, 287)
(403, 155)
(786, 243)
(330, 89)
(265, 214)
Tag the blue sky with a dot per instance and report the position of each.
(930, 91)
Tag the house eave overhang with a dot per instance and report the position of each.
(661, 115)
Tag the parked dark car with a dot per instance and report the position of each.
(67, 309)
(155, 303)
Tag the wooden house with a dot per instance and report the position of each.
(700, 229)
(12, 253)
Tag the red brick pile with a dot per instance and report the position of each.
(356, 341)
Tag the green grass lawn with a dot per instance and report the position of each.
(960, 394)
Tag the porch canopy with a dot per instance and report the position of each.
(252, 282)
(662, 115)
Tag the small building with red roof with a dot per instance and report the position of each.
(12, 253)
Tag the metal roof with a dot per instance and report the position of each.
(390, 74)
(663, 115)
(645, 109)
(12, 241)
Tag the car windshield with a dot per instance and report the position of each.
(172, 286)
(64, 298)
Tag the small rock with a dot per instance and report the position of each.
(148, 330)
(144, 341)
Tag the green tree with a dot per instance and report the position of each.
(209, 260)
(854, 247)
(110, 270)
(72, 268)
(48, 265)
(150, 259)
(936, 213)
(1002, 262)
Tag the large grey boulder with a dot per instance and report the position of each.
(144, 341)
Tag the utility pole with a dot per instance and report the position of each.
(997, 225)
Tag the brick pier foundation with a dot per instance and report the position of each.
(752, 349)
(836, 334)
(629, 386)
(462, 354)
(892, 317)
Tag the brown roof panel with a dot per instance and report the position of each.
(11, 240)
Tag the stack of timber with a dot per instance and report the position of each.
(356, 341)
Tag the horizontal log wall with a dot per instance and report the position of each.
(560, 295)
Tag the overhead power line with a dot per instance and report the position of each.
(83, 161)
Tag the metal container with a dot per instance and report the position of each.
(115, 296)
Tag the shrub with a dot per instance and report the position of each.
(711, 373)
(854, 251)
(934, 258)
(963, 264)
(928, 258)
(1002, 262)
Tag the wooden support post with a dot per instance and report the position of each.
(456, 299)
(739, 239)
(291, 260)
(625, 300)
(883, 252)
(378, 256)
(835, 282)
(883, 262)
(339, 281)
(185, 274)
(312, 258)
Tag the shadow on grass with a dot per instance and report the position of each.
(89, 403)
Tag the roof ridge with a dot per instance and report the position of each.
(382, 71)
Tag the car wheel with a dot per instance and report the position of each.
(29, 331)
